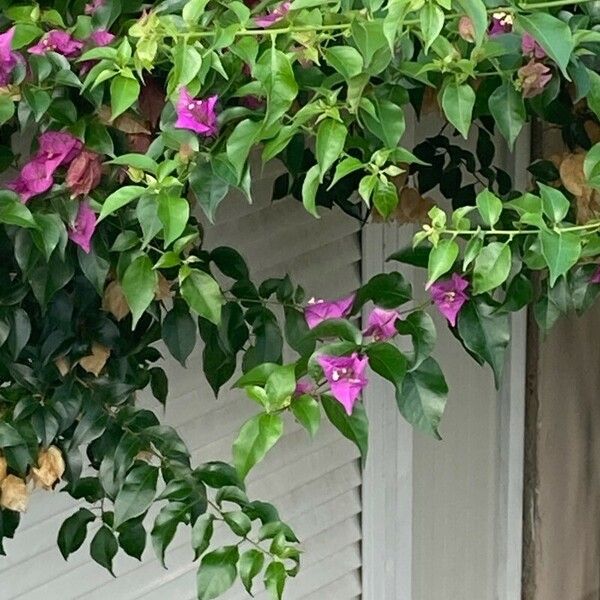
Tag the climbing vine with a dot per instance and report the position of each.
(123, 127)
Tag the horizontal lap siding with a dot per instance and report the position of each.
(315, 484)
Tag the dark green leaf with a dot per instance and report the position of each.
(104, 548)
(217, 572)
(422, 399)
(354, 427)
(485, 333)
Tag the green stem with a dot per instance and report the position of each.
(513, 232)
(341, 27)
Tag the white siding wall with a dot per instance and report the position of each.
(316, 485)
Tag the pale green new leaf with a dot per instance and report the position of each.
(256, 437)
(441, 259)
(491, 267)
(457, 102)
(560, 251)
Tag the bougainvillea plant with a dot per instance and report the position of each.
(123, 121)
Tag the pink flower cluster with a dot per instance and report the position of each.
(345, 375)
(60, 149)
(56, 149)
(196, 115)
(8, 58)
(449, 295)
(277, 14)
(63, 43)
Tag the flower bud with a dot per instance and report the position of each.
(14, 494)
(466, 30)
(84, 173)
(51, 467)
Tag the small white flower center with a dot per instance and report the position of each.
(450, 296)
(335, 375)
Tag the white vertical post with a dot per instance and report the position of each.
(387, 490)
(511, 430)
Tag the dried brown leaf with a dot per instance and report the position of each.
(51, 467)
(571, 173)
(114, 301)
(413, 208)
(14, 494)
(63, 365)
(94, 362)
(3, 468)
(163, 288)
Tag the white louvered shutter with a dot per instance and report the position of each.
(316, 485)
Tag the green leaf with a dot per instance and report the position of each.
(274, 71)
(179, 332)
(203, 294)
(489, 206)
(132, 538)
(137, 161)
(280, 385)
(554, 203)
(7, 109)
(72, 532)
(308, 413)
(457, 102)
(120, 198)
(14, 212)
(208, 188)
(432, 21)
(441, 259)
(491, 267)
(423, 397)
(421, 329)
(137, 493)
(173, 213)
(202, 533)
(309, 190)
(331, 137)
(104, 548)
(275, 577)
(187, 62)
(217, 572)
(337, 328)
(552, 34)
(385, 198)
(591, 166)
(346, 60)
(256, 437)
(388, 121)
(388, 362)
(354, 427)
(476, 11)
(484, 333)
(387, 290)
(345, 167)
(250, 565)
(507, 107)
(9, 436)
(238, 522)
(123, 93)
(593, 97)
(165, 526)
(240, 142)
(139, 285)
(561, 251)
